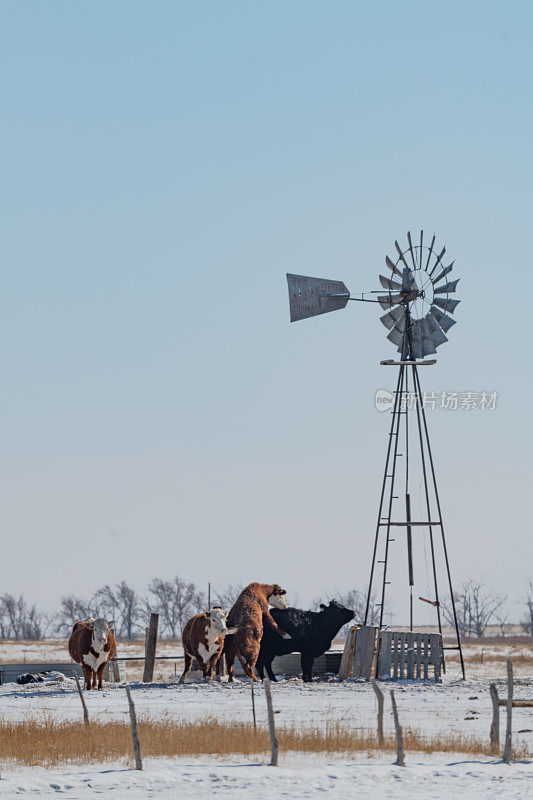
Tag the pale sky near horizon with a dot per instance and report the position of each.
(163, 166)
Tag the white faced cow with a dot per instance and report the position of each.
(203, 639)
(92, 644)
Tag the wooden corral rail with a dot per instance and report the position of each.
(517, 703)
(408, 655)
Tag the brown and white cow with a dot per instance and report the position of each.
(92, 644)
(203, 639)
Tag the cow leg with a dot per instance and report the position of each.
(211, 666)
(268, 667)
(87, 676)
(93, 676)
(248, 658)
(100, 675)
(188, 662)
(307, 666)
(231, 651)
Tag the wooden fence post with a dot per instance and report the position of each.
(151, 645)
(114, 663)
(273, 741)
(400, 761)
(495, 724)
(380, 698)
(508, 734)
(134, 731)
(82, 698)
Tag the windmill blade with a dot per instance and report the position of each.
(396, 336)
(442, 319)
(411, 249)
(389, 300)
(447, 288)
(391, 265)
(437, 262)
(428, 347)
(387, 283)
(309, 297)
(446, 303)
(399, 249)
(424, 328)
(430, 252)
(421, 249)
(438, 337)
(394, 316)
(443, 273)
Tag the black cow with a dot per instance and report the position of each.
(311, 635)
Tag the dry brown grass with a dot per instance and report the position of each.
(50, 743)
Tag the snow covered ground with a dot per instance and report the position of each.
(297, 778)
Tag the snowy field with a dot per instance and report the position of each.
(296, 778)
(454, 706)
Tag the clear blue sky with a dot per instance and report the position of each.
(163, 165)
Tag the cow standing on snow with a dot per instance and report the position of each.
(203, 639)
(92, 644)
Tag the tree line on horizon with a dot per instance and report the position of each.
(176, 600)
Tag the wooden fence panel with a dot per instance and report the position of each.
(364, 651)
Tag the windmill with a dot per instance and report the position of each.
(417, 297)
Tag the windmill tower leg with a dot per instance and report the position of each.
(440, 522)
(390, 464)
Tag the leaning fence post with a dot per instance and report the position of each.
(273, 741)
(82, 698)
(495, 724)
(400, 761)
(134, 731)
(380, 698)
(509, 704)
(151, 645)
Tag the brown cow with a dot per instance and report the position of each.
(249, 614)
(92, 644)
(203, 639)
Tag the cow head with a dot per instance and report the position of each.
(100, 629)
(336, 614)
(216, 619)
(277, 599)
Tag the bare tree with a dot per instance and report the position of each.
(227, 595)
(175, 601)
(73, 609)
(527, 622)
(476, 607)
(20, 621)
(122, 604)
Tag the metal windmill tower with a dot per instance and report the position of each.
(416, 297)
